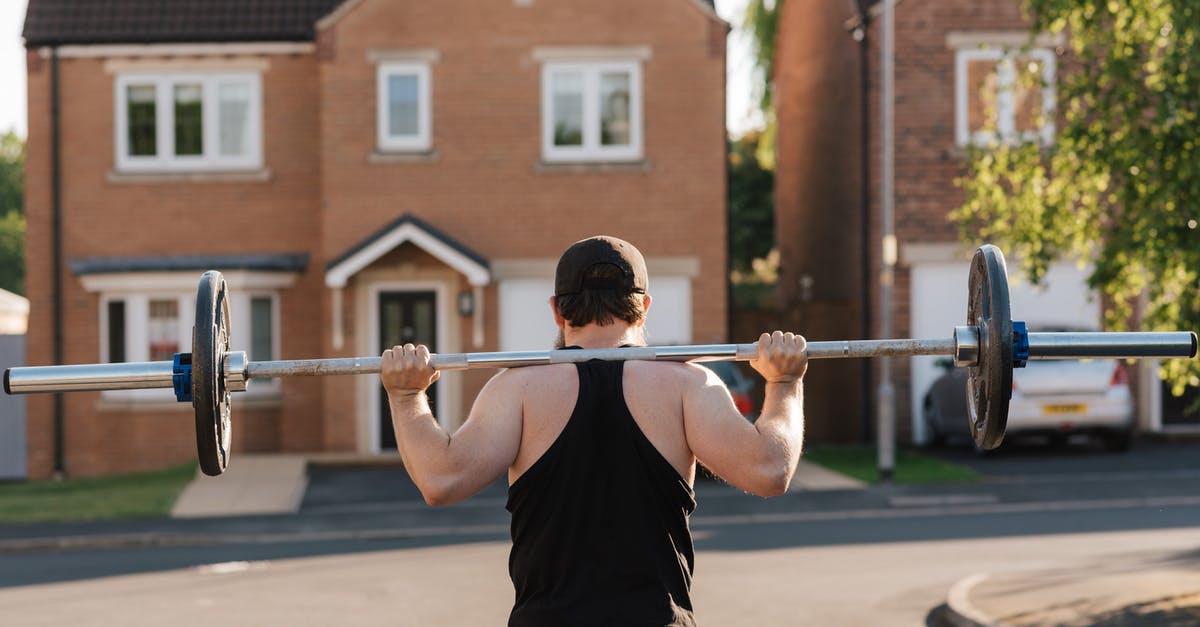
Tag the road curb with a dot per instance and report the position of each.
(960, 612)
(162, 539)
(106, 542)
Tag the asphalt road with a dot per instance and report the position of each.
(899, 547)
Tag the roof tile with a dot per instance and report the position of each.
(51, 22)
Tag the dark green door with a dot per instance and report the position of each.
(405, 317)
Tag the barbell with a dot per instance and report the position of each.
(990, 345)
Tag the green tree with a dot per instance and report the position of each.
(761, 21)
(751, 223)
(751, 203)
(1120, 186)
(12, 218)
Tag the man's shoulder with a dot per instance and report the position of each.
(678, 374)
(524, 377)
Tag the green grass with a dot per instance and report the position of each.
(860, 463)
(144, 495)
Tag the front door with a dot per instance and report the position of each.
(405, 317)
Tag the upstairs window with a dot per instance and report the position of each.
(404, 119)
(591, 111)
(1004, 95)
(188, 122)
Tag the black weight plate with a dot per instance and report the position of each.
(210, 398)
(989, 383)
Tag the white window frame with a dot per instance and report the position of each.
(592, 150)
(137, 336)
(164, 159)
(240, 313)
(137, 315)
(1006, 108)
(423, 140)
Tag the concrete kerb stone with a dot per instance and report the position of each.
(1141, 589)
(960, 611)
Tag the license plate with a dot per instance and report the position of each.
(1050, 410)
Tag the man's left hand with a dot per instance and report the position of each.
(406, 370)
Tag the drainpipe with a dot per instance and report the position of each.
(864, 78)
(886, 433)
(56, 252)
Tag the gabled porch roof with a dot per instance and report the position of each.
(409, 228)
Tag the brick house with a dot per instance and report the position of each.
(959, 70)
(960, 77)
(364, 172)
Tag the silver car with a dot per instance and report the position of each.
(1054, 398)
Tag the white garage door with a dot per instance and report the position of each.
(527, 324)
(939, 303)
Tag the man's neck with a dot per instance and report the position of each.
(609, 336)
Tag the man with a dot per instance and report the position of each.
(601, 456)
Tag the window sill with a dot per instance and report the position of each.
(225, 176)
(592, 167)
(386, 156)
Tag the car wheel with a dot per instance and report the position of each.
(1117, 441)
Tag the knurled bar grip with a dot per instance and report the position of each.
(158, 374)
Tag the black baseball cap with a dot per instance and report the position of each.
(571, 275)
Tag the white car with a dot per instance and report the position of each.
(1060, 398)
(1054, 398)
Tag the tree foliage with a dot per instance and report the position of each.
(761, 21)
(12, 219)
(1120, 187)
(12, 164)
(751, 210)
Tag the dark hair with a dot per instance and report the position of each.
(601, 305)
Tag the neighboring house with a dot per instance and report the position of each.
(14, 317)
(964, 71)
(364, 172)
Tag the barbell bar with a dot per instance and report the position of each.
(963, 346)
(989, 346)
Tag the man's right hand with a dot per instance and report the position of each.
(782, 357)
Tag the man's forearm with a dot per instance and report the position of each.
(782, 423)
(423, 444)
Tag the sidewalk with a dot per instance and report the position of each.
(254, 484)
(275, 484)
(1140, 588)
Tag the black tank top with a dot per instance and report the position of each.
(600, 521)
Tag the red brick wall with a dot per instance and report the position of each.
(484, 188)
(486, 134)
(817, 83)
(818, 196)
(162, 217)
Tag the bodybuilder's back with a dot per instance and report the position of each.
(653, 392)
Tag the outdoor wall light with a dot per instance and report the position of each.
(466, 303)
